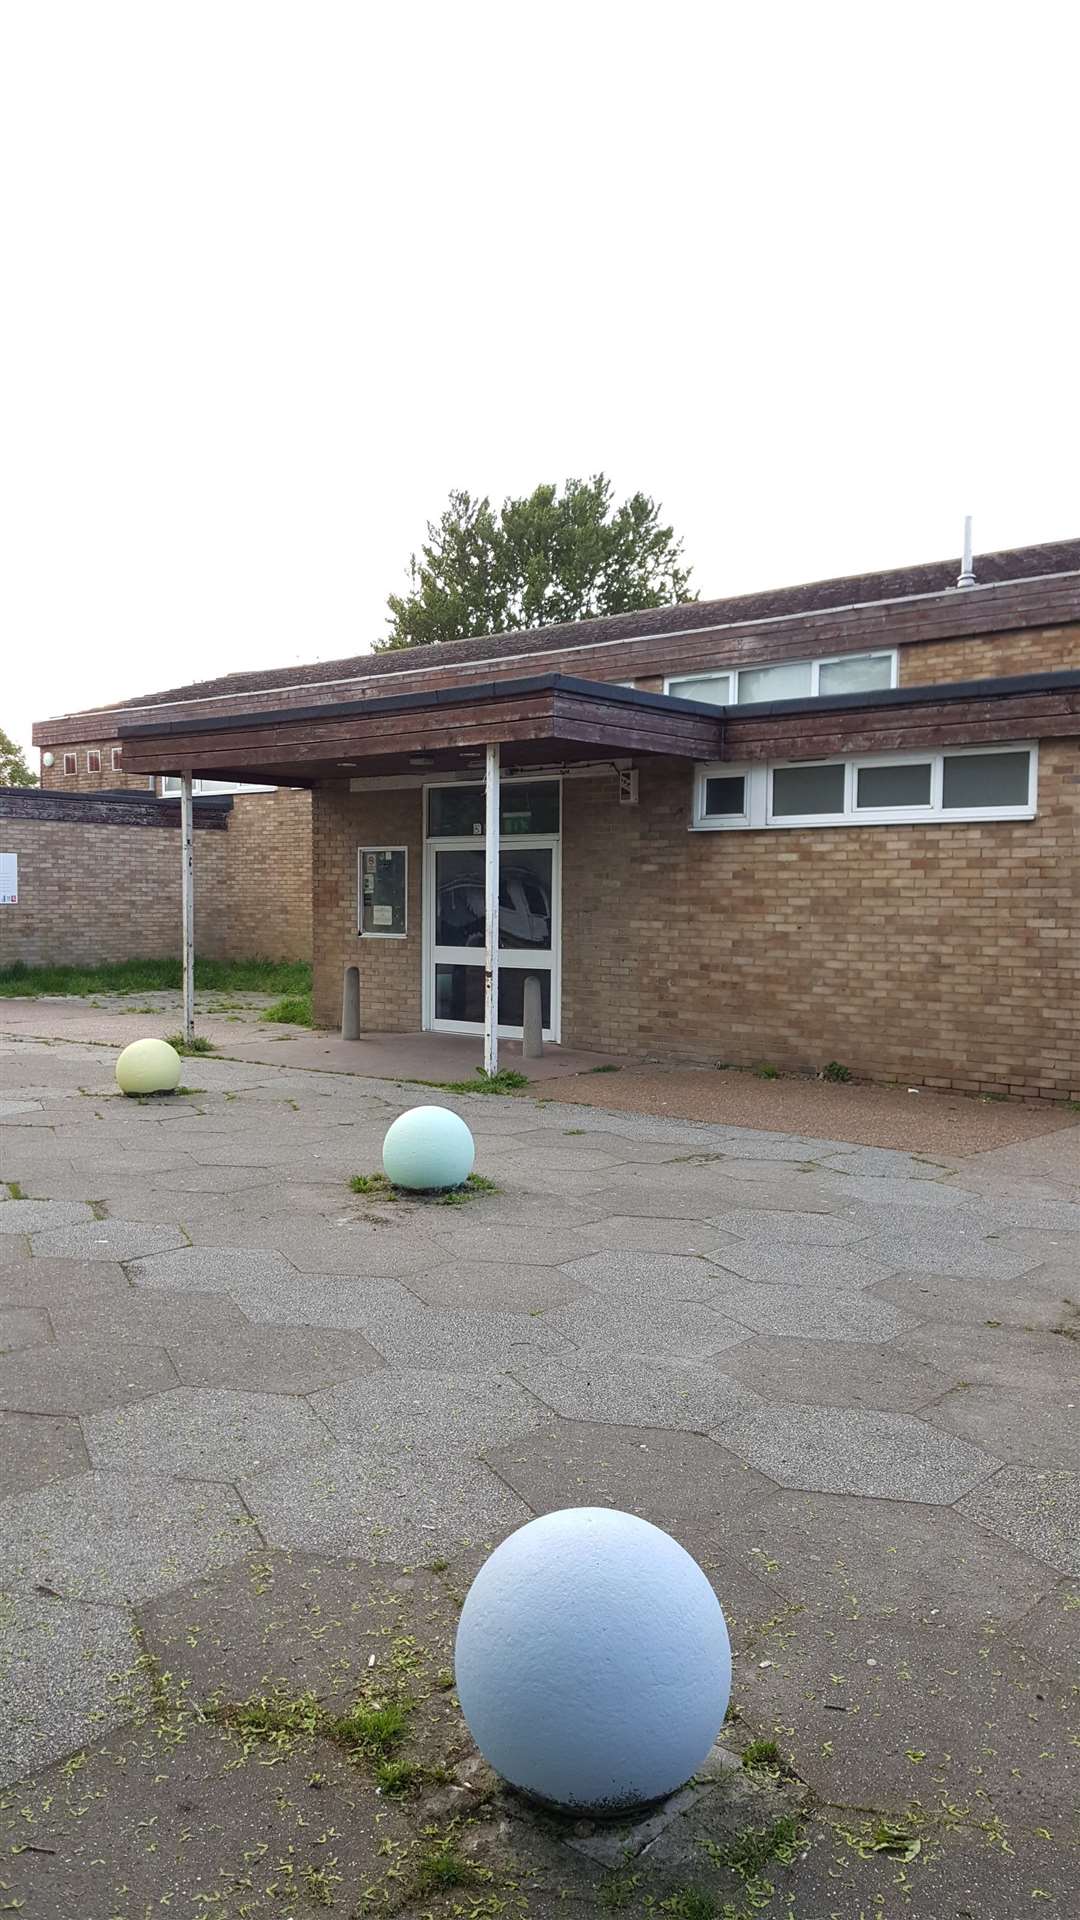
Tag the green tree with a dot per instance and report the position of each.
(14, 771)
(547, 558)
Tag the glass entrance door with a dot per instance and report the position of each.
(455, 925)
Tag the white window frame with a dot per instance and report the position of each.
(74, 767)
(372, 933)
(170, 786)
(117, 762)
(92, 754)
(672, 682)
(759, 813)
(525, 959)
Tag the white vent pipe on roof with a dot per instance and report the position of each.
(966, 578)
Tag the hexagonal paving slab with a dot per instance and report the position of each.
(1036, 1509)
(474, 1241)
(23, 1327)
(807, 1314)
(78, 1376)
(1038, 1428)
(645, 1325)
(475, 1287)
(55, 1284)
(37, 1448)
(203, 1433)
(272, 1359)
(302, 1619)
(665, 1477)
(834, 1373)
(789, 1263)
(210, 1269)
(36, 1216)
(424, 1412)
(645, 1275)
(106, 1240)
(121, 1536)
(634, 1389)
(802, 1229)
(884, 1456)
(67, 1675)
(346, 1501)
(838, 1555)
(644, 1233)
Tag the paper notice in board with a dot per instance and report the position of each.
(369, 883)
(382, 916)
(9, 879)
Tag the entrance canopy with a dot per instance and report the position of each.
(544, 718)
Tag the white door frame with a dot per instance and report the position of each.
(523, 959)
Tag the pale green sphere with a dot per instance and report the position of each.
(148, 1066)
(428, 1147)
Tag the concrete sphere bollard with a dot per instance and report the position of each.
(148, 1066)
(428, 1147)
(592, 1662)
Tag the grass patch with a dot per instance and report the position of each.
(375, 1731)
(158, 976)
(689, 1903)
(750, 1852)
(610, 1068)
(396, 1778)
(294, 1010)
(762, 1756)
(444, 1865)
(373, 1184)
(15, 1190)
(766, 1071)
(197, 1044)
(505, 1081)
(378, 1187)
(278, 1718)
(617, 1890)
(834, 1070)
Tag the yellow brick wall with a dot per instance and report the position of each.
(990, 654)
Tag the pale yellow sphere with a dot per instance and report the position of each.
(148, 1066)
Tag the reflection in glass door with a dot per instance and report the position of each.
(455, 930)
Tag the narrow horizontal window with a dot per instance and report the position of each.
(713, 687)
(907, 784)
(986, 780)
(867, 791)
(788, 682)
(860, 673)
(808, 790)
(725, 794)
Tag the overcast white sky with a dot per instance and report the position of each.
(277, 276)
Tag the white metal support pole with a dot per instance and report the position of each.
(491, 913)
(187, 902)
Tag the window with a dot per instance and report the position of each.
(806, 790)
(788, 680)
(71, 764)
(985, 780)
(725, 796)
(117, 760)
(713, 687)
(525, 806)
(904, 783)
(93, 760)
(982, 783)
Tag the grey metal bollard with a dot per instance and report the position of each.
(532, 1025)
(350, 1005)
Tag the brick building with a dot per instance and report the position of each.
(835, 822)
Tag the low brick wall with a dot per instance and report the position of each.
(99, 877)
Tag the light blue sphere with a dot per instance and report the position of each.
(592, 1662)
(428, 1147)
